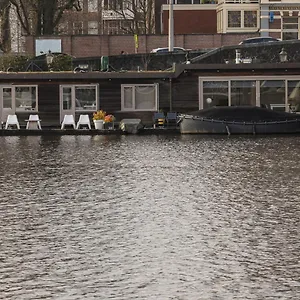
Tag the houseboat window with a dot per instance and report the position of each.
(243, 92)
(80, 97)
(25, 98)
(85, 97)
(127, 98)
(67, 96)
(7, 98)
(272, 94)
(139, 97)
(215, 93)
(294, 95)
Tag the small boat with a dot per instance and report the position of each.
(239, 120)
(132, 126)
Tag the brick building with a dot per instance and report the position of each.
(98, 30)
(279, 19)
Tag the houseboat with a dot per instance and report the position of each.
(221, 78)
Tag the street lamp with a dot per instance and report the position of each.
(283, 55)
(49, 59)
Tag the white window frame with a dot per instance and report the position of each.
(242, 12)
(73, 95)
(133, 86)
(286, 80)
(17, 109)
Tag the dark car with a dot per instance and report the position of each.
(255, 40)
(165, 50)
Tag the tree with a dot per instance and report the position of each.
(41, 17)
(5, 41)
(140, 14)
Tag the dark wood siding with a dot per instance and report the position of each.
(48, 104)
(185, 93)
(110, 98)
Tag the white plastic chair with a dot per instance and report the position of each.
(33, 122)
(68, 120)
(84, 120)
(12, 120)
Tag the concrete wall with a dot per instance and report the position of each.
(107, 45)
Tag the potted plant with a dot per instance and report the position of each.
(109, 120)
(98, 118)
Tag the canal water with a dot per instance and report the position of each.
(150, 217)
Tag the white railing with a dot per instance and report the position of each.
(238, 1)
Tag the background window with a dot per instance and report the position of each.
(92, 5)
(111, 27)
(290, 28)
(92, 27)
(250, 19)
(78, 27)
(234, 19)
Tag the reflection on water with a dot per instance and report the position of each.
(149, 217)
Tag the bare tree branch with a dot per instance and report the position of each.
(41, 17)
(139, 12)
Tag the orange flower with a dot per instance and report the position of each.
(109, 118)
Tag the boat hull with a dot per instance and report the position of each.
(191, 124)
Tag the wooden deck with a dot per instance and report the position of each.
(56, 131)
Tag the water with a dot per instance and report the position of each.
(149, 217)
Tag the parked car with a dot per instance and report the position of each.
(164, 50)
(255, 40)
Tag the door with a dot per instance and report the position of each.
(67, 102)
(6, 103)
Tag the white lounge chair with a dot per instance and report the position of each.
(84, 120)
(12, 120)
(68, 120)
(33, 122)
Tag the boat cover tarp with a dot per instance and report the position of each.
(243, 114)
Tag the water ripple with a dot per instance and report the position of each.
(155, 217)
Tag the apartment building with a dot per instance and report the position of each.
(206, 19)
(277, 18)
(108, 17)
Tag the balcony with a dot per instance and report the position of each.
(238, 1)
